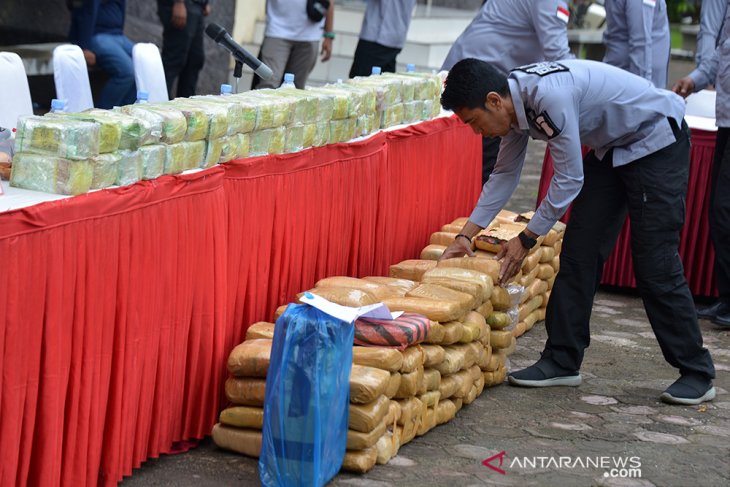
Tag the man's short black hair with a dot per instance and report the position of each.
(468, 83)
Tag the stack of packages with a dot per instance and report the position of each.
(536, 276)
(396, 393)
(72, 153)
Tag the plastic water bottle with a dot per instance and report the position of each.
(410, 68)
(288, 81)
(226, 89)
(142, 96)
(376, 70)
(58, 105)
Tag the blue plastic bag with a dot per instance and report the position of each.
(307, 398)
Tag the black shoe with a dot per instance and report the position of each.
(689, 390)
(545, 373)
(722, 320)
(711, 312)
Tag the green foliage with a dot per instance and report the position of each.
(678, 9)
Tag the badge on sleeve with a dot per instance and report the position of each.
(543, 123)
(542, 69)
(563, 14)
(650, 3)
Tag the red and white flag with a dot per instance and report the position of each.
(563, 14)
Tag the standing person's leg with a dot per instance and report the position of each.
(114, 56)
(490, 150)
(595, 221)
(301, 62)
(195, 56)
(369, 54)
(719, 219)
(656, 187)
(275, 54)
(175, 46)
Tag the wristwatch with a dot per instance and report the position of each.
(527, 241)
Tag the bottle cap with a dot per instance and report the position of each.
(58, 105)
(410, 68)
(226, 89)
(142, 95)
(288, 78)
(376, 70)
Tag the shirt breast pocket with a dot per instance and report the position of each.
(723, 66)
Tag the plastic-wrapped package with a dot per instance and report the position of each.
(153, 160)
(412, 111)
(294, 140)
(51, 174)
(194, 154)
(271, 112)
(342, 130)
(268, 141)
(431, 109)
(171, 124)
(239, 118)
(392, 115)
(229, 148)
(303, 107)
(307, 399)
(244, 145)
(363, 97)
(105, 170)
(429, 88)
(387, 89)
(196, 119)
(309, 134)
(322, 103)
(213, 151)
(366, 124)
(67, 139)
(408, 85)
(135, 132)
(129, 168)
(174, 158)
(216, 114)
(341, 100)
(110, 131)
(322, 136)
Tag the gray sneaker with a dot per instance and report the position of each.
(544, 373)
(689, 390)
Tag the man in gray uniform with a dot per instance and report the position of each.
(715, 68)
(637, 38)
(712, 15)
(639, 163)
(382, 36)
(510, 33)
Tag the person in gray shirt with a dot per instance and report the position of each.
(712, 16)
(509, 33)
(715, 69)
(637, 38)
(638, 164)
(382, 36)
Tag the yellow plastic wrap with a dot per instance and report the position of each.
(393, 385)
(246, 391)
(433, 355)
(399, 286)
(392, 115)
(194, 154)
(129, 167)
(378, 291)
(453, 331)
(388, 446)
(153, 160)
(260, 329)
(174, 158)
(387, 89)
(409, 383)
(412, 269)
(357, 440)
(322, 135)
(240, 119)
(432, 309)
(436, 333)
(362, 98)
(110, 131)
(241, 440)
(344, 296)
(318, 106)
(51, 174)
(196, 120)
(342, 130)
(309, 134)
(213, 151)
(489, 267)
(269, 141)
(413, 358)
(342, 101)
(244, 145)
(215, 113)
(383, 358)
(360, 461)
(445, 411)
(432, 378)
(243, 417)
(367, 383)
(250, 358)
(442, 294)
(105, 170)
(135, 132)
(64, 138)
(367, 417)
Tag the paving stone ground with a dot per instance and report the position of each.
(614, 416)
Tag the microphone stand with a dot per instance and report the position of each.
(237, 73)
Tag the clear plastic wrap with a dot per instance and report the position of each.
(294, 140)
(342, 130)
(412, 111)
(129, 167)
(366, 124)
(269, 141)
(110, 131)
(391, 115)
(196, 119)
(174, 158)
(105, 170)
(213, 151)
(309, 134)
(215, 113)
(66, 139)
(344, 104)
(364, 98)
(51, 174)
(240, 117)
(387, 89)
(244, 145)
(271, 111)
(171, 124)
(135, 132)
(229, 148)
(194, 154)
(322, 136)
(408, 85)
(429, 88)
(153, 160)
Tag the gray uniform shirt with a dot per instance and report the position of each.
(386, 22)
(570, 103)
(712, 15)
(510, 33)
(716, 69)
(637, 38)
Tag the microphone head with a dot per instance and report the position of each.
(215, 31)
(264, 72)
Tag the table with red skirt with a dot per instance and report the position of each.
(695, 247)
(118, 308)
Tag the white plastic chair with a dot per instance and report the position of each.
(149, 75)
(14, 90)
(71, 76)
(701, 104)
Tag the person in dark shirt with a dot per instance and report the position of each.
(182, 42)
(97, 26)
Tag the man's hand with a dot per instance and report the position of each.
(684, 87)
(458, 248)
(512, 255)
(90, 57)
(206, 10)
(326, 49)
(179, 15)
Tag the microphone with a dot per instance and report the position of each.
(220, 36)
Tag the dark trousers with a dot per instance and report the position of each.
(720, 212)
(652, 190)
(369, 54)
(490, 150)
(182, 49)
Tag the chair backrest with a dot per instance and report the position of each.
(701, 104)
(149, 75)
(71, 77)
(14, 90)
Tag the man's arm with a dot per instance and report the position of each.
(712, 15)
(329, 33)
(83, 22)
(552, 29)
